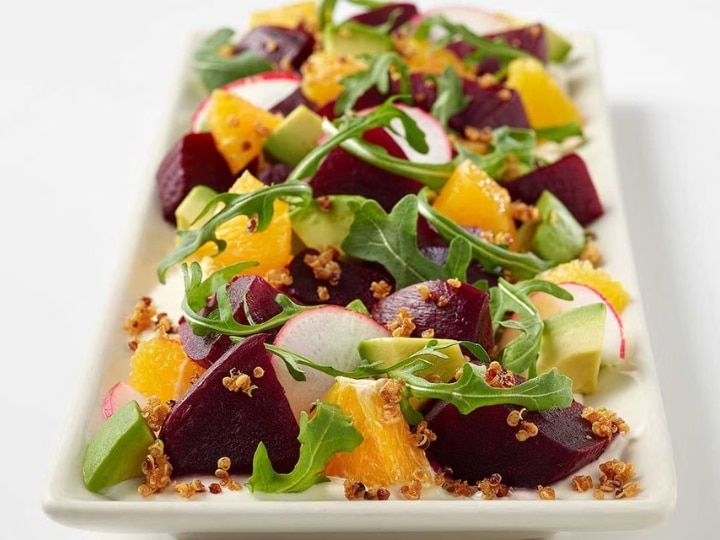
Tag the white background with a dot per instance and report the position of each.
(83, 88)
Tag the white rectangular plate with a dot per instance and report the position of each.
(633, 392)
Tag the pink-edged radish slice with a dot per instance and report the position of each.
(478, 21)
(264, 90)
(439, 148)
(329, 336)
(119, 395)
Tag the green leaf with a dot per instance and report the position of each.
(450, 97)
(391, 240)
(215, 70)
(198, 291)
(348, 128)
(329, 431)
(258, 204)
(484, 47)
(358, 306)
(559, 133)
(471, 391)
(459, 258)
(293, 361)
(522, 352)
(378, 75)
(492, 257)
(221, 319)
(516, 144)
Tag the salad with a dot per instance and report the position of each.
(384, 273)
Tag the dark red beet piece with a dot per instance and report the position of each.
(276, 173)
(211, 422)
(193, 160)
(290, 103)
(260, 298)
(461, 313)
(402, 13)
(531, 39)
(482, 443)
(355, 280)
(434, 247)
(287, 48)
(569, 180)
(343, 174)
(491, 107)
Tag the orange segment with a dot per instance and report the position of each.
(388, 455)
(422, 56)
(239, 128)
(159, 367)
(546, 104)
(270, 248)
(473, 199)
(322, 73)
(584, 272)
(300, 14)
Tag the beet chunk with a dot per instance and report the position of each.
(461, 313)
(490, 107)
(402, 13)
(193, 160)
(482, 443)
(260, 298)
(340, 173)
(276, 173)
(434, 247)
(287, 48)
(354, 282)
(210, 421)
(569, 180)
(290, 103)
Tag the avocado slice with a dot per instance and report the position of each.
(191, 206)
(572, 342)
(559, 237)
(353, 39)
(295, 137)
(391, 350)
(117, 450)
(558, 47)
(325, 222)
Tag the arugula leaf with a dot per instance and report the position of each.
(198, 291)
(487, 47)
(215, 70)
(258, 203)
(377, 74)
(293, 361)
(459, 258)
(471, 391)
(450, 98)
(521, 265)
(391, 240)
(559, 133)
(517, 144)
(347, 128)
(221, 319)
(522, 352)
(328, 432)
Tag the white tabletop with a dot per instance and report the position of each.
(83, 86)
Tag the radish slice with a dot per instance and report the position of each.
(264, 90)
(477, 20)
(439, 148)
(329, 336)
(119, 395)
